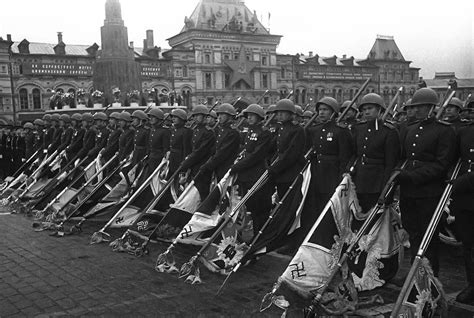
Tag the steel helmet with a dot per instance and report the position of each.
(65, 118)
(28, 126)
(47, 117)
(424, 96)
(407, 104)
(100, 116)
(456, 102)
(330, 102)
(180, 113)
(87, 117)
(308, 114)
(55, 117)
(125, 116)
(346, 104)
(254, 109)
(213, 114)
(157, 113)
(115, 115)
(200, 110)
(140, 114)
(299, 110)
(270, 109)
(285, 105)
(76, 116)
(38, 122)
(226, 108)
(372, 98)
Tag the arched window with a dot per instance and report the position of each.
(36, 98)
(23, 94)
(185, 71)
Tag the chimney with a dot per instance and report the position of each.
(9, 37)
(344, 56)
(310, 53)
(60, 37)
(144, 45)
(149, 39)
(131, 44)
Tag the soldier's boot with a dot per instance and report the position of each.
(466, 296)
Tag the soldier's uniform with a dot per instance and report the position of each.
(49, 132)
(126, 143)
(140, 139)
(252, 165)
(463, 206)
(159, 141)
(8, 154)
(77, 138)
(29, 141)
(180, 142)
(428, 148)
(225, 152)
(66, 136)
(88, 142)
(112, 144)
(57, 135)
(101, 137)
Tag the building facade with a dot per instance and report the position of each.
(223, 52)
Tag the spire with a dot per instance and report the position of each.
(113, 12)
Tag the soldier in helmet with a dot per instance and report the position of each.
(66, 131)
(180, 140)
(428, 147)
(299, 114)
(38, 123)
(377, 147)
(49, 131)
(126, 137)
(29, 139)
(142, 134)
(252, 165)
(112, 144)
(350, 118)
(101, 134)
(159, 140)
(203, 142)
(58, 130)
(224, 153)
(77, 136)
(88, 142)
(212, 121)
(332, 150)
(452, 114)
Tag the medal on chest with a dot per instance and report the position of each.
(329, 136)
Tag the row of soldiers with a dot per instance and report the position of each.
(207, 145)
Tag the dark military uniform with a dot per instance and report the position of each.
(29, 144)
(225, 152)
(458, 123)
(202, 142)
(158, 145)
(140, 144)
(56, 140)
(38, 140)
(180, 146)
(112, 144)
(378, 149)
(88, 143)
(101, 137)
(249, 168)
(48, 139)
(2, 155)
(125, 143)
(8, 155)
(66, 137)
(76, 142)
(428, 148)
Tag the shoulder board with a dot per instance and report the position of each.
(389, 125)
(413, 122)
(466, 121)
(444, 122)
(342, 125)
(360, 122)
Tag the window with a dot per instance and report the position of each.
(4, 69)
(334, 93)
(266, 100)
(207, 59)
(226, 80)
(23, 98)
(1, 102)
(265, 80)
(208, 80)
(226, 56)
(36, 98)
(236, 56)
(282, 71)
(185, 71)
(264, 60)
(248, 57)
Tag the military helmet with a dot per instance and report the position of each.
(308, 114)
(213, 114)
(125, 116)
(38, 122)
(270, 110)
(330, 102)
(456, 102)
(299, 110)
(140, 114)
(76, 116)
(226, 108)
(115, 115)
(346, 104)
(254, 109)
(87, 117)
(200, 110)
(47, 117)
(28, 126)
(100, 116)
(65, 118)
(157, 113)
(424, 96)
(180, 113)
(55, 117)
(407, 104)
(372, 98)
(285, 105)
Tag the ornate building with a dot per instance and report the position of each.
(222, 52)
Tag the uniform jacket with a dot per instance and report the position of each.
(429, 148)
(257, 143)
(158, 145)
(112, 144)
(180, 146)
(203, 143)
(29, 144)
(226, 150)
(101, 136)
(140, 144)
(76, 142)
(463, 197)
(66, 137)
(290, 145)
(126, 143)
(332, 151)
(378, 152)
(48, 137)
(56, 140)
(88, 143)
(38, 140)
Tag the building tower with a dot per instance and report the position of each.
(115, 65)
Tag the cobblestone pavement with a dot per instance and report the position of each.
(46, 276)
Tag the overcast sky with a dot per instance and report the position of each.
(436, 35)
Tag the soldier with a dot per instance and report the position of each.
(452, 114)
(298, 115)
(212, 121)
(126, 137)
(101, 135)
(202, 142)
(463, 206)
(350, 118)
(3, 138)
(77, 136)
(49, 131)
(66, 132)
(140, 140)
(253, 164)
(113, 136)
(29, 139)
(55, 118)
(332, 150)
(159, 141)
(290, 143)
(225, 150)
(377, 146)
(88, 142)
(180, 140)
(38, 134)
(428, 149)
